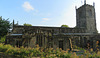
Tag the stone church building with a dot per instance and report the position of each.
(84, 34)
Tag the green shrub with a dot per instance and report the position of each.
(43, 53)
(4, 48)
(2, 40)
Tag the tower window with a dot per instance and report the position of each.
(80, 14)
(90, 12)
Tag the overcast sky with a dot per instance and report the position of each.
(45, 12)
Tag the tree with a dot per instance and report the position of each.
(4, 26)
(65, 26)
(27, 24)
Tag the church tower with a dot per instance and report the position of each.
(85, 18)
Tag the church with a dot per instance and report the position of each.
(83, 35)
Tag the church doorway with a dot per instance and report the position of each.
(61, 44)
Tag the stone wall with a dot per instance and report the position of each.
(85, 18)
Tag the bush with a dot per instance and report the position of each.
(43, 53)
(2, 40)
